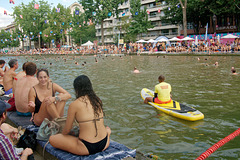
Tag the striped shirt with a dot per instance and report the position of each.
(7, 152)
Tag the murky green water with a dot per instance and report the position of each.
(212, 90)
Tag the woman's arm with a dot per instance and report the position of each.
(70, 118)
(64, 95)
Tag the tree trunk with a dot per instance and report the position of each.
(29, 43)
(102, 36)
(185, 21)
(184, 10)
(39, 46)
(22, 44)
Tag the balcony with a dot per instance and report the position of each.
(154, 17)
(108, 40)
(147, 1)
(107, 25)
(160, 27)
(124, 6)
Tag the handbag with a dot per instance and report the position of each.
(27, 140)
(47, 129)
(56, 126)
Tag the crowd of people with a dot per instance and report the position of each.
(46, 99)
(210, 46)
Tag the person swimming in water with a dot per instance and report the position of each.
(87, 110)
(135, 70)
(233, 70)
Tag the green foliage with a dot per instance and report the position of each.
(32, 20)
(139, 23)
(59, 22)
(98, 10)
(82, 30)
(8, 40)
(200, 11)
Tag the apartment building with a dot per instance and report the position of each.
(112, 28)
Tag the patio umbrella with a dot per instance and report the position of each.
(141, 41)
(187, 39)
(174, 39)
(88, 43)
(229, 36)
(151, 41)
(163, 40)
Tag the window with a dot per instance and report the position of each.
(174, 31)
(189, 26)
(154, 23)
(153, 14)
(165, 32)
(152, 5)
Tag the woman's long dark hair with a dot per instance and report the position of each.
(83, 86)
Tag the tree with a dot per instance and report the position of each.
(125, 24)
(199, 12)
(8, 39)
(82, 31)
(59, 22)
(98, 10)
(32, 20)
(139, 23)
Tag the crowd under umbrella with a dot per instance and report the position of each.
(228, 38)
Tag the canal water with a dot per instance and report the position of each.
(197, 83)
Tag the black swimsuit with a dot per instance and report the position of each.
(98, 146)
(38, 103)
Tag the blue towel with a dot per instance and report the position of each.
(115, 151)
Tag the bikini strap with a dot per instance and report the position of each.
(95, 123)
(35, 91)
(53, 94)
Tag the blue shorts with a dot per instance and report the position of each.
(28, 114)
(9, 91)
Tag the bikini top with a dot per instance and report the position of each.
(38, 103)
(95, 123)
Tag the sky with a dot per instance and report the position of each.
(5, 5)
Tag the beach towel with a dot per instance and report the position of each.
(115, 151)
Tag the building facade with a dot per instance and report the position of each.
(112, 25)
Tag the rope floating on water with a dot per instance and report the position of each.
(218, 144)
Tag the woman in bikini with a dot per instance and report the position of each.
(88, 112)
(42, 99)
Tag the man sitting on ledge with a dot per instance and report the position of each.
(7, 151)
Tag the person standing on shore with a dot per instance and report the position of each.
(162, 93)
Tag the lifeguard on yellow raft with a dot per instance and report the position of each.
(174, 108)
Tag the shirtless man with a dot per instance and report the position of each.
(23, 85)
(9, 76)
(19, 75)
(2, 72)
